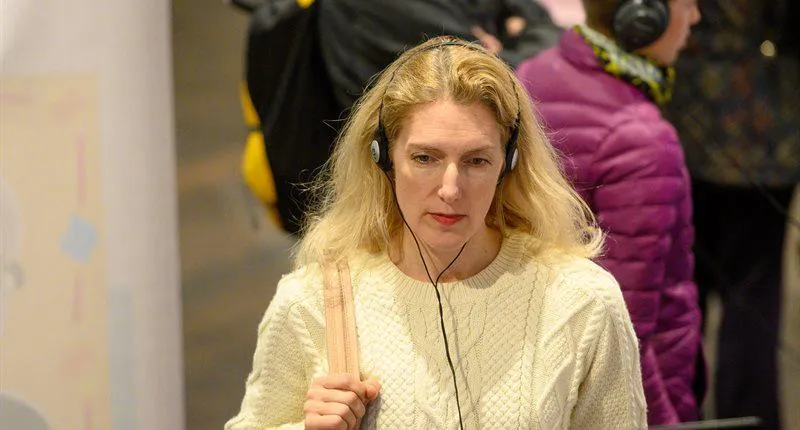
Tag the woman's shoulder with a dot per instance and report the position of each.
(582, 292)
(580, 281)
(299, 286)
(305, 283)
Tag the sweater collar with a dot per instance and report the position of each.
(413, 291)
(652, 79)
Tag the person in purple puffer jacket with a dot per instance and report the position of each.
(600, 92)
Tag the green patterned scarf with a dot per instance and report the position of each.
(653, 79)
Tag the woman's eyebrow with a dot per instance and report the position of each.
(431, 147)
(422, 147)
(482, 148)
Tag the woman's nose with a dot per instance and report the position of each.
(450, 190)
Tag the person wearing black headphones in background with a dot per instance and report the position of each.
(600, 92)
(476, 304)
(737, 107)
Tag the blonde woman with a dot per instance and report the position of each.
(475, 303)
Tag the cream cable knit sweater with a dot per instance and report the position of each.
(536, 345)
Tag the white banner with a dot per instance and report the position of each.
(90, 313)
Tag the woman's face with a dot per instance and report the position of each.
(683, 15)
(447, 160)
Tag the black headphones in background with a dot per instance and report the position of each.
(638, 23)
(380, 142)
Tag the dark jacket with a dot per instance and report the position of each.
(359, 38)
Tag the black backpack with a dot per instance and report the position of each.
(292, 97)
(307, 61)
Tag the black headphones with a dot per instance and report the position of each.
(380, 142)
(638, 23)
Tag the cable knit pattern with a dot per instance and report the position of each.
(536, 343)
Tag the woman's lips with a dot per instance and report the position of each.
(447, 219)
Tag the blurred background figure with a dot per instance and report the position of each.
(307, 62)
(600, 91)
(360, 38)
(737, 108)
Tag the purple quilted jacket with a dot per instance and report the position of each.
(627, 163)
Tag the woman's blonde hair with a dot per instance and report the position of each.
(356, 208)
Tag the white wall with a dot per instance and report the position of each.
(90, 315)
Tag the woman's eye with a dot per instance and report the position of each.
(422, 158)
(478, 161)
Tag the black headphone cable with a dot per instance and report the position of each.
(438, 297)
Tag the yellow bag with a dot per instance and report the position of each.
(255, 164)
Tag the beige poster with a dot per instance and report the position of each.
(54, 354)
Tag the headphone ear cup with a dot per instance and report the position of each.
(375, 150)
(511, 161)
(511, 149)
(379, 148)
(514, 156)
(638, 23)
